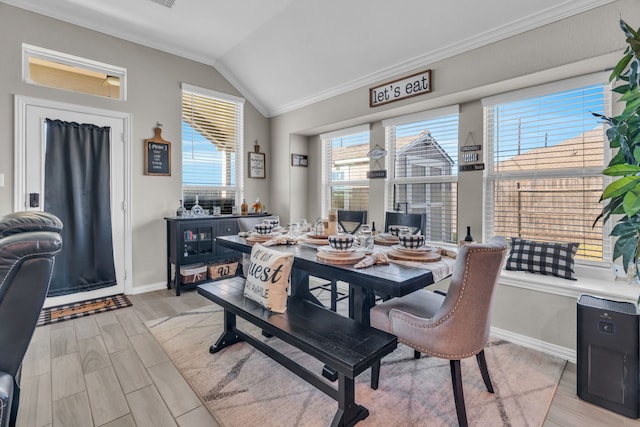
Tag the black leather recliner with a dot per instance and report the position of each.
(29, 242)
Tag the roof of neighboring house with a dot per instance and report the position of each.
(585, 150)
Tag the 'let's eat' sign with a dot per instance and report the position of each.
(406, 87)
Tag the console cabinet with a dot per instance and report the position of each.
(192, 240)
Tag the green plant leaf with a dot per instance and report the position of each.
(619, 187)
(622, 170)
(620, 67)
(631, 203)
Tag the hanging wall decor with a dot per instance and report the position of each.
(157, 155)
(257, 163)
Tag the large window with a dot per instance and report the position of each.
(545, 156)
(345, 167)
(211, 148)
(423, 169)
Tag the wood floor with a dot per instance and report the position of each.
(107, 370)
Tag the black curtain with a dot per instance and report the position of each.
(77, 189)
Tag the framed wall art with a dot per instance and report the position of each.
(257, 166)
(299, 160)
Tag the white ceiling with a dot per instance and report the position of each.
(284, 54)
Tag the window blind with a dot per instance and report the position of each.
(545, 156)
(212, 142)
(346, 164)
(423, 169)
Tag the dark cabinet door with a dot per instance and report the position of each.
(227, 228)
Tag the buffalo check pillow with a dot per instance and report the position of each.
(556, 259)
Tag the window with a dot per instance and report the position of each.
(545, 156)
(59, 70)
(212, 149)
(345, 167)
(423, 169)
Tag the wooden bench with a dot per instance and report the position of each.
(341, 343)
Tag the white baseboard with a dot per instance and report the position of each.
(535, 344)
(148, 288)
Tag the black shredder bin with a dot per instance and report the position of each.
(607, 356)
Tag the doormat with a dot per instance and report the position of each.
(80, 309)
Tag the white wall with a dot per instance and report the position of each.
(154, 95)
(586, 43)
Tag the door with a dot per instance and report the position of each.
(30, 154)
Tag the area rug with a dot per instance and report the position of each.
(83, 308)
(242, 387)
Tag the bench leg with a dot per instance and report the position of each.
(229, 335)
(348, 413)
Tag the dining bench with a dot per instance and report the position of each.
(342, 344)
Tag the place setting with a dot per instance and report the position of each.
(340, 250)
(412, 248)
(390, 238)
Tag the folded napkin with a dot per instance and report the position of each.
(374, 258)
(447, 252)
(280, 240)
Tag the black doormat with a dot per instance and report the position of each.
(61, 313)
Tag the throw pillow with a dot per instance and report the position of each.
(556, 259)
(267, 278)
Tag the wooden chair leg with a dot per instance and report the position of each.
(458, 395)
(416, 354)
(482, 364)
(375, 375)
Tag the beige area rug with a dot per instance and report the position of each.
(242, 387)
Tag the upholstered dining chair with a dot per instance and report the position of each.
(415, 221)
(246, 223)
(452, 326)
(29, 242)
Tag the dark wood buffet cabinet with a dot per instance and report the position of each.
(192, 240)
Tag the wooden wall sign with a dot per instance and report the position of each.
(157, 155)
(406, 87)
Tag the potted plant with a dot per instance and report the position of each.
(623, 133)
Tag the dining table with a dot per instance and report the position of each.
(386, 280)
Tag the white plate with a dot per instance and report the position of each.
(337, 251)
(420, 250)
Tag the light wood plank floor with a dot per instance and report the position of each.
(107, 370)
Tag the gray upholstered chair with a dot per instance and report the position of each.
(455, 326)
(29, 242)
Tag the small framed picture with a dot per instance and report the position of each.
(257, 167)
(299, 160)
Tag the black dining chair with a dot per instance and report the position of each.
(415, 221)
(350, 221)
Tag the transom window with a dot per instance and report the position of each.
(423, 169)
(59, 70)
(212, 125)
(345, 167)
(545, 156)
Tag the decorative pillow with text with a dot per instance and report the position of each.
(556, 259)
(268, 277)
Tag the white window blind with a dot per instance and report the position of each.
(345, 167)
(212, 149)
(545, 156)
(423, 169)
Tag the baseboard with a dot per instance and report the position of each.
(148, 288)
(535, 344)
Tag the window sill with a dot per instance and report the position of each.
(594, 281)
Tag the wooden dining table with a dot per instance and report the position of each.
(391, 280)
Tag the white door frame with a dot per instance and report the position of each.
(20, 144)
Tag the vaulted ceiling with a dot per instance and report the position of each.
(285, 54)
